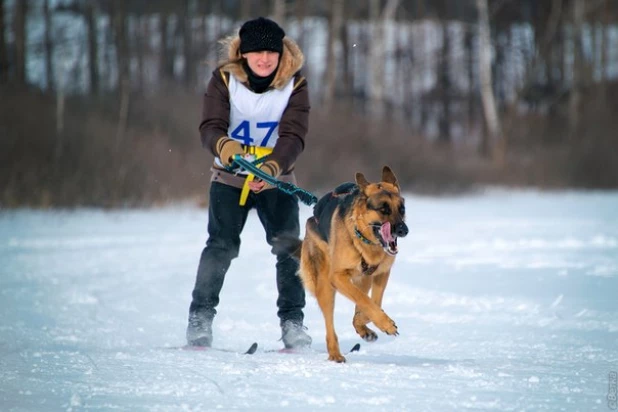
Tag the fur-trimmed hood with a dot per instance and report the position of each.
(292, 60)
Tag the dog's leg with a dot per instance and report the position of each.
(361, 320)
(341, 282)
(325, 295)
(378, 287)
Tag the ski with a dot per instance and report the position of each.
(252, 349)
(354, 348)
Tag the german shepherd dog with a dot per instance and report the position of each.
(349, 247)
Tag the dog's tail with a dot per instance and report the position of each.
(287, 244)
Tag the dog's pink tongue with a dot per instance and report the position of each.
(385, 231)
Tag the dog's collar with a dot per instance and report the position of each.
(362, 237)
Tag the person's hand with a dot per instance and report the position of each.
(228, 148)
(269, 167)
(258, 185)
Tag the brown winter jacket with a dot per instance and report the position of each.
(294, 122)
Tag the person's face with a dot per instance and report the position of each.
(262, 63)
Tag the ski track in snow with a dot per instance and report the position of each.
(505, 301)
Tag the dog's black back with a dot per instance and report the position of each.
(342, 196)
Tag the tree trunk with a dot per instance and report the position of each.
(578, 67)
(487, 93)
(4, 59)
(19, 30)
(59, 145)
(166, 68)
(334, 29)
(547, 33)
(445, 88)
(604, 51)
(424, 66)
(140, 49)
(264, 8)
(379, 19)
(217, 10)
(187, 34)
(122, 58)
(245, 10)
(497, 68)
(557, 59)
(375, 63)
(278, 12)
(471, 101)
(420, 8)
(348, 75)
(301, 15)
(49, 48)
(93, 47)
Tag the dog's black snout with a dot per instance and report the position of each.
(401, 229)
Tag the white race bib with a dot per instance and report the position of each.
(254, 117)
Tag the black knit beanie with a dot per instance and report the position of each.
(261, 34)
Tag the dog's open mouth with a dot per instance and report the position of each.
(384, 234)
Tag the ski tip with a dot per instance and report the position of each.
(252, 349)
(355, 348)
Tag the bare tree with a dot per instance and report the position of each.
(604, 51)
(122, 58)
(245, 10)
(334, 29)
(471, 101)
(346, 61)
(487, 93)
(93, 46)
(49, 47)
(376, 55)
(578, 66)
(278, 11)
(187, 35)
(141, 49)
(166, 67)
(445, 87)
(379, 18)
(301, 14)
(264, 8)
(19, 29)
(420, 7)
(4, 60)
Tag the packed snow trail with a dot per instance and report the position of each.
(504, 301)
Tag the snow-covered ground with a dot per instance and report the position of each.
(504, 301)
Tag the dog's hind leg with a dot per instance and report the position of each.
(361, 320)
(325, 295)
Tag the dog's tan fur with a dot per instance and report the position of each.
(348, 265)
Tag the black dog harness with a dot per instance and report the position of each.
(343, 196)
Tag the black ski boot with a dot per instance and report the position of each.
(294, 336)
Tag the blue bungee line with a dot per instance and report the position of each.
(239, 162)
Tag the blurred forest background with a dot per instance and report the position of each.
(100, 100)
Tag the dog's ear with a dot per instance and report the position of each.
(361, 181)
(389, 177)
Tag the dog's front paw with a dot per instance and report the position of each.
(336, 357)
(392, 330)
(388, 326)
